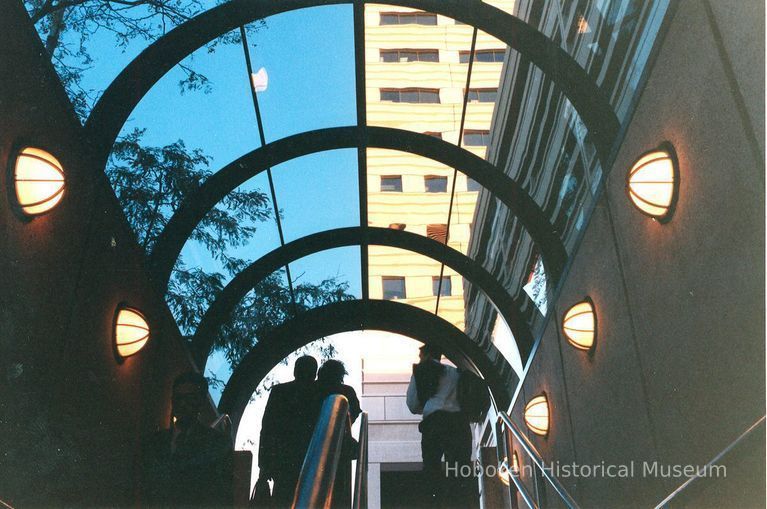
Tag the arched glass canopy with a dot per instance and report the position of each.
(495, 207)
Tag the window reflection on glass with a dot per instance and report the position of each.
(408, 18)
(393, 287)
(483, 55)
(476, 138)
(445, 290)
(483, 95)
(472, 185)
(435, 184)
(411, 95)
(409, 55)
(391, 183)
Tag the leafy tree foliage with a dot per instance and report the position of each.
(68, 26)
(151, 182)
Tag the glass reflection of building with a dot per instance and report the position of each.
(541, 142)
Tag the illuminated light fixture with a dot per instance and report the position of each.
(580, 325)
(653, 183)
(503, 472)
(515, 463)
(39, 181)
(537, 415)
(131, 331)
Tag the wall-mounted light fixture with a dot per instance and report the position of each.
(580, 325)
(515, 463)
(503, 472)
(39, 181)
(653, 182)
(131, 331)
(537, 415)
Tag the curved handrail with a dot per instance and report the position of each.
(361, 475)
(318, 474)
(533, 454)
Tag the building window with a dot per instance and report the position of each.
(483, 95)
(397, 226)
(472, 185)
(437, 232)
(483, 55)
(472, 138)
(435, 184)
(408, 18)
(393, 287)
(391, 183)
(409, 55)
(434, 134)
(446, 289)
(410, 95)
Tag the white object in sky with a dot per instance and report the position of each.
(259, 80)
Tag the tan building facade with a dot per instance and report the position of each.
(416, 67)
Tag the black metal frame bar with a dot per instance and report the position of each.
(124, 93)
(362, 157)
(455, 170)
(262, 138)
(191, 212)
(345, 316)
(221, 309)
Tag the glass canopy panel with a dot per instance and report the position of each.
(408, 192)
(308, 56)
(611, 40)
(212, 256)
(318, 192)
(413, 77)
(332, 275)
(318, 279)
(408, 277)
(205, 129)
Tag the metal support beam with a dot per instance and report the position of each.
(349, 316)
(221, 309)
(193, 210)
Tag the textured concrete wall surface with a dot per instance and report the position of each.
(677, 374)
(71, 415)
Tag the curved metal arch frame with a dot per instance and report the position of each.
(221, 309)
(350, 316)
(191, 212)
(136, 79)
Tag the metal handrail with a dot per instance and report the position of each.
(318, 473)
(514, 476)
(361, 475)
(533, 454)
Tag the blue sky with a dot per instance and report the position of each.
(309, 56)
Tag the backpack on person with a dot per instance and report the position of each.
(473, 395)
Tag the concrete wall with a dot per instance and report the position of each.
(71, 414)
(678, 370)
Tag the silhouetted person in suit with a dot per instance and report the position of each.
(286, 430)
(189, 464)
(330, 380)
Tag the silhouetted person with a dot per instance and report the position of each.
(330, 380)
(189, 464)
(286, 430)
(445, 430)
